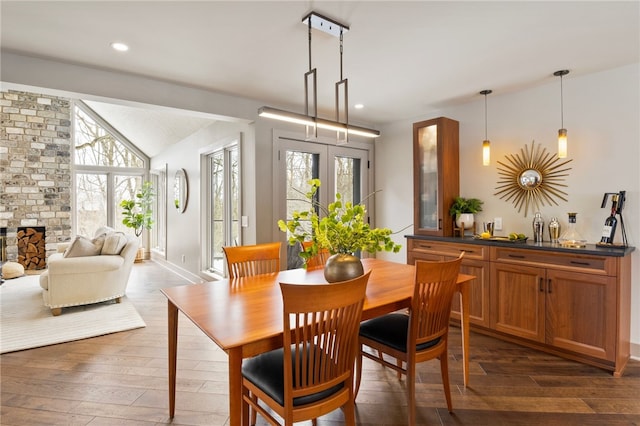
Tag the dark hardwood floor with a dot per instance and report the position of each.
(121, 379)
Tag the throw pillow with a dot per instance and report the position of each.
(103, 230)
(83, 246)
(114, 242)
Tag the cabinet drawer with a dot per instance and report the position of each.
(472, 251)
(568, 261)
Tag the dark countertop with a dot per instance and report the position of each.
(544, 246)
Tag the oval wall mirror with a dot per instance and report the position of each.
(532, 178)
(181, 190)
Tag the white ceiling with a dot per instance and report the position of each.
(402, 59)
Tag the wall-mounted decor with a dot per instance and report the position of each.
(181, 190)
(532, 178)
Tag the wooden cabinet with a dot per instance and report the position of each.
(475, 262)
(518, 305)
(566, 309)
(573, 303)
(436, 180)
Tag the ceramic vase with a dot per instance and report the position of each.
(466, 218)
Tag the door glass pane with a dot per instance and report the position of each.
(125, 188)
(91, 202)
(347, 179)
(428, 180)
(300, 168)
(234, 197)
(217, 211)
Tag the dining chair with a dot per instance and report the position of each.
(419, 335)
(319, 259)
(246, 261)
(312, 374)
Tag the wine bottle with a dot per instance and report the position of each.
(609, 229)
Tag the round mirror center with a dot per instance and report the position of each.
(530, 179)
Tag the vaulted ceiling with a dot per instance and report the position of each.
(402, 59)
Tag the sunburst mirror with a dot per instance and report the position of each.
(532, 178)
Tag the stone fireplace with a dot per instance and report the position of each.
(35, 160)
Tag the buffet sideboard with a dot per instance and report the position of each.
(575, 303)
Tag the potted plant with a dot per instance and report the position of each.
(463, 209)
(137, 213)
(342, 230)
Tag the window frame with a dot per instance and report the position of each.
(225, 145)
(110, 172)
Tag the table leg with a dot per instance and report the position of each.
(464, 308)
(172, 315)
(237, 416)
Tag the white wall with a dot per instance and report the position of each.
(602, 116)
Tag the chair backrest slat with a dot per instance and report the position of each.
(431, 303)
(247, 261)
(319, 259)
(324, 320)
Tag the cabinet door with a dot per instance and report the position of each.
(581, 313)
(479, 297)
(518, 300)
(436, 177)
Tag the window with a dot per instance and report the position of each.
(107, 169)
(222, 204)
(159, 230)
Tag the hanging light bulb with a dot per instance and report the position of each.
(486, 145)
(562, 132)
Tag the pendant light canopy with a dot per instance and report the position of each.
(562, 132)
(310, 117)
(486, 145)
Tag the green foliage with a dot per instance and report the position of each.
(342, 229)
(138, 213)
(465, 205)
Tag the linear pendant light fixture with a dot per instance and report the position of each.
(486, 145)
(562, 132)
(310, 119)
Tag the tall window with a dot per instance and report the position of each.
(159, 229)
(223, 205)
(107, 169)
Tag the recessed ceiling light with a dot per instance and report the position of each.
(358, 106)
(120, 47)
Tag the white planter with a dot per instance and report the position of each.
(466, 218)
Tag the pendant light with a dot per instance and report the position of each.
(486, 145)
(310, 117)
(562, 132)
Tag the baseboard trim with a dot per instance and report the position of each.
(192, 278)
(635, 351)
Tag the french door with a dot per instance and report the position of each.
(341, 169)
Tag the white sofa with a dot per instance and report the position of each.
(72, 281)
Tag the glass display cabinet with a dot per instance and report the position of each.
(436, 180)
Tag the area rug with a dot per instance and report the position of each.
(26, 323)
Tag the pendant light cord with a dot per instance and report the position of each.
(485, 116)
(561, 104)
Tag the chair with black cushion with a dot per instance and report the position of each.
(246, 261)
(312, 374)
(420, 334)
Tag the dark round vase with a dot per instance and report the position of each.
(342, 267)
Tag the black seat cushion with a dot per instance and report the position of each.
(266, 371)
(392, 330)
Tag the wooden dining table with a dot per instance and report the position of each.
(243, 316)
